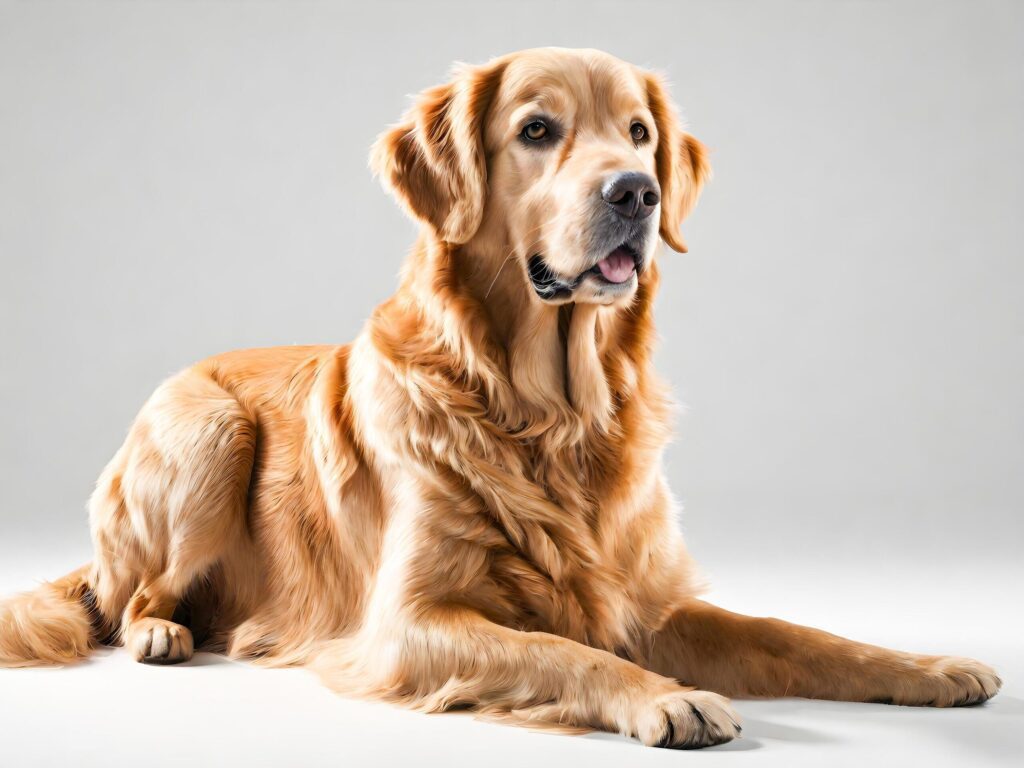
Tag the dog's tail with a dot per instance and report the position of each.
(52, 624)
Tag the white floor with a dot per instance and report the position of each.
(110, 711)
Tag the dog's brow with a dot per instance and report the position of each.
(529, 109)
(548, 92)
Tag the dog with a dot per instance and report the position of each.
(464, 508)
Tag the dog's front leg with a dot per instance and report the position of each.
(453, 657)
(736, 655)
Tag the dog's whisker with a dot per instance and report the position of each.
(511, 253)
(496, 274)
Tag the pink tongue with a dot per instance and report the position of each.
(617, 266)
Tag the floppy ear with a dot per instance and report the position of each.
(434, 159)
(681, 163)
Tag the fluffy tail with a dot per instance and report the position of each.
(50, 625)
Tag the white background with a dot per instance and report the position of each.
(178, 179)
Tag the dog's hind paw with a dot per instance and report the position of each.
(155, 641)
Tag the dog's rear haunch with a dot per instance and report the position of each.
(466, 506)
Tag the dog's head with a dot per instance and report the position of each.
(570, 161)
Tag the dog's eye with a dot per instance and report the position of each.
(536, 131)
(638, 132)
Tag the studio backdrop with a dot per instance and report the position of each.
(180, 179)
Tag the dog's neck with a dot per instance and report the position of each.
(557, 370)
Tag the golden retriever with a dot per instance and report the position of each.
(464, 508)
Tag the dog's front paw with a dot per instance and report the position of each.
(687, 719)
(155, 641)
(950, 681)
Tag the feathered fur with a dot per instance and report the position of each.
(465, 507)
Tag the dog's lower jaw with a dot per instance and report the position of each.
(590, 287)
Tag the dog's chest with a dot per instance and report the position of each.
(588, 605)
(563, 579)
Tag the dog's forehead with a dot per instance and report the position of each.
(576, 81)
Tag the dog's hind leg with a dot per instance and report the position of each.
(168, 508)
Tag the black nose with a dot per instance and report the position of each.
(632, 195)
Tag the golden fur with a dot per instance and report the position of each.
(465, 507)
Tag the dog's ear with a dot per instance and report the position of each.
(434, 159)
(681, 163)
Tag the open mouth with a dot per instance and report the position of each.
(618, 266)
(615, 269)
